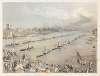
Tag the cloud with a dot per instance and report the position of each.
(50, 13)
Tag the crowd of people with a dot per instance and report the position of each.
(13, 63)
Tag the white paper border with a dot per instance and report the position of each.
(51, 74)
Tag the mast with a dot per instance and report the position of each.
(78, 57)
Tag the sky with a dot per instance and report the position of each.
(25, 14)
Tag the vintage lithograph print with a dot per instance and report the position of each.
(49, 37)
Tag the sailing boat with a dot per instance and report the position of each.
(59, 46)
(79, 58)
(44, 52)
